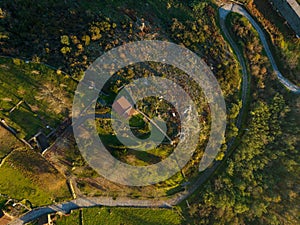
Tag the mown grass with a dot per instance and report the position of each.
(128, 216)
(27, 175)
(46, 96)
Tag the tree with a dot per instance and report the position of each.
(86, 39)
(65, 40)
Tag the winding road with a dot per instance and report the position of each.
(169, 202)
(232, 7)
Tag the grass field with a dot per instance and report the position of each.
(2, 201)
(16, 185)
(45, 96)
(7, 142)
(25, 174)
(74, 218)
(117, 216)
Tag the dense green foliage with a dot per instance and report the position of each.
(109, 24)
(203, 37)
(257, 184)
(247, 37)
(284, 43)
(3, 200)
(261, 177)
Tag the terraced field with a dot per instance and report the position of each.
(33, 96)
(25, 174)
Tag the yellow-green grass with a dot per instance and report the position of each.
(46, 96)
(25, 174)
(72, 219)
(25, 121)
(128, 216)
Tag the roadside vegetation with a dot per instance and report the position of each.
(248, 41)
(116, 216)
(283, 41)
(257, 184)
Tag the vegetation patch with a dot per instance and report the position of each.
(33, 97)
(284, 43)
(7, 142)
(27, 175)
(117, 216)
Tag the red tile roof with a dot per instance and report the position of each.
(123, 107)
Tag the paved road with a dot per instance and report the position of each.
(88, 202)
(169, 202)
(231, 7)
(223, 12)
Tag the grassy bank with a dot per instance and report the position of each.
(117, 216)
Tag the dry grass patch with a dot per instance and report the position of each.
(8, 142)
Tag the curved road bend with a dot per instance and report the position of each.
(223, 12)
(231, 7)
(169, 202)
